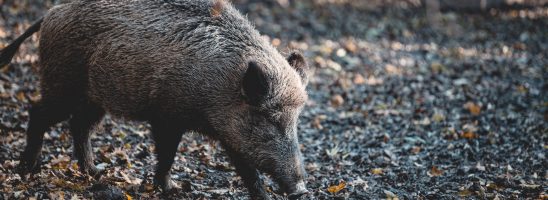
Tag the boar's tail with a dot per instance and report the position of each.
(7, 53)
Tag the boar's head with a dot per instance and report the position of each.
(264, 132)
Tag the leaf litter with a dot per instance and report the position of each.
(398, 108)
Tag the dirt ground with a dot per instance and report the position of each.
(405, 103)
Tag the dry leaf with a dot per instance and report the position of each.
(130, 180)
(376, 171)
(435, 171)
(74, 166)
(332, 152)
(61, 162)
(437, 67)
(468, 135)
(493, 186)
(128, 197)
(390, 195)
(358, 79)
(337, 100)
(317, 123)
(473, 108)
(21, 96)
(529, 186)
(522, 89)
(372, 80)
(351, 46)
(416, 150)
(465, 193)
(438, 117)
(148, 187)
(336, 188)
(392, 69)
(480, 167)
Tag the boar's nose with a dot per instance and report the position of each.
(298, 190)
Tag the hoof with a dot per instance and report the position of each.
(25, 168)
(166, 185)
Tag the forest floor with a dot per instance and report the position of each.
(404, 103)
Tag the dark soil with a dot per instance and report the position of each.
(404, 103)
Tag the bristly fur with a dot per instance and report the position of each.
(180, 65)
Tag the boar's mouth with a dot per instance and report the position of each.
(297, 191)
(288, 172)
(294, 188)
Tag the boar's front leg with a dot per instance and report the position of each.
(249, 175)
(167, 139)
(83, 119)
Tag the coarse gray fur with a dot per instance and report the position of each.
(182, 65)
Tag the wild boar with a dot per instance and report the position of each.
(181, 65)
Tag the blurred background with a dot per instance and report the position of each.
(410, 99)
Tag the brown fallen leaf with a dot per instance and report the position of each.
(128, 197)
(351, 46)
(473, 108)
(435, 171)
(392, 69)
(61, 162)
(337, 100)
(376, 171)
(148, 187)
(437, 67)
(317, 123)
(21, 96)
(468, 135)
(493, 186)
(68, 184)
(336, 188)
(130, 180)
(416, 150)
(372, 80)
(120, 153)
(465, 193)
(522, 89)
(358, 79)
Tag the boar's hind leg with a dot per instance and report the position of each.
(42, 116)
(166, 139)
(83, 119)
(249, 175)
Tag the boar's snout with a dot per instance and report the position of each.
(298, 190)
(292, 177)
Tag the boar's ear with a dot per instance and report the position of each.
(256, 85)
(297, 61)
